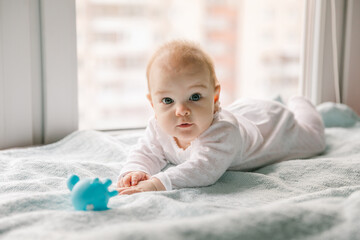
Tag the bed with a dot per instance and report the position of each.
(316, 198)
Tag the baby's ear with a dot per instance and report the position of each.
(216, 99)
(148, 96)
(217, 93)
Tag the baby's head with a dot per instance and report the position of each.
(183, 90)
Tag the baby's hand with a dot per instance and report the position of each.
(153, 184)
(132, 179)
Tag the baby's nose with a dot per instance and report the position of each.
(182, 110)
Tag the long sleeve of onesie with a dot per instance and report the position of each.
(211, 155)
(148, 156)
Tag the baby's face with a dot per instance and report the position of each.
(183, 101)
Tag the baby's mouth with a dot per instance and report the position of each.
(185, 125)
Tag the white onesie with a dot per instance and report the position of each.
(247, 135)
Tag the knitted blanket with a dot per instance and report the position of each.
(316, 198)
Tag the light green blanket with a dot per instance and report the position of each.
(317, 198)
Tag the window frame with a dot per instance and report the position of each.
(38, 71)
(59, 68)
(15, 74)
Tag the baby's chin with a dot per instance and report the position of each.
(188, 138)
(190, 134)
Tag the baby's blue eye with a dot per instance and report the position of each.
(167, 100)
(195, 97)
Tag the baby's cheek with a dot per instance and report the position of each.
(208, 117)
(166, 123)
(208, 112)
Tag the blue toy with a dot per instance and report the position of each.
(90, 194)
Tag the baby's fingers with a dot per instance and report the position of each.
(134, 180)
(128, 191)
(126, 181)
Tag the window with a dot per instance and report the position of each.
(255, 45)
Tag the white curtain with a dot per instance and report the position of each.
(318, 53)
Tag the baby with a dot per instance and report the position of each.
(201, 140)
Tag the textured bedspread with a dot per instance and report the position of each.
(317, 198)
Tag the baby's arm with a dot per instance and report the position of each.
(208, 163)
(146, 159)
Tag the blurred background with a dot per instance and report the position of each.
(255, 45)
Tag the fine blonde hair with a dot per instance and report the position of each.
(182, 53)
